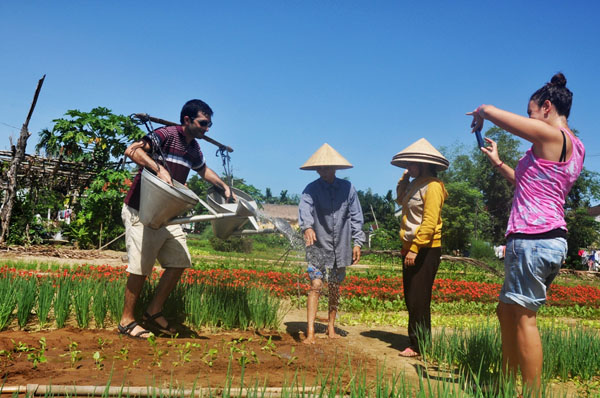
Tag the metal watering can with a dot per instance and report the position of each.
(161, 203)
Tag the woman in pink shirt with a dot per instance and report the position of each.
(536, 234)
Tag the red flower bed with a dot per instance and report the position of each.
(284, 284)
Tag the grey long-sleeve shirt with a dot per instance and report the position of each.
(334, 213)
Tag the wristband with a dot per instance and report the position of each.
(479, 109)
(499, 164)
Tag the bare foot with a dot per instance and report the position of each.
(409, 353)
(309, 339)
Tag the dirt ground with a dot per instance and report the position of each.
(202, 358)
(97, 357)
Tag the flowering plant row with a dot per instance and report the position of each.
(285, 284)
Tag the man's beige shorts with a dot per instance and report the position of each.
(146, 245)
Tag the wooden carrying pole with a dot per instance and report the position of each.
(145, 116)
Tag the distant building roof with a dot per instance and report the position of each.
(287, 212)
(594, 211)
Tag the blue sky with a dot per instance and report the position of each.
(283, 77)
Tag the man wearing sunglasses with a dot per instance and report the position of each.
(170, 152)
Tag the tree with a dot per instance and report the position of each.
(583, 233)
(268, 196)
(474, 169)
(99, 210)
(464, 216)
(283, 196)
(96, 139)
(11, 174)
(382, 209)
(497, 191)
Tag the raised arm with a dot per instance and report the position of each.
(492, 153)
(401, 187)
(544, 134)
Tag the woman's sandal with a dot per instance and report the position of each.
(150, 321)
(126, 330)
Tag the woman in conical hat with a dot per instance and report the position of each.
(330, 217)
(421, 195)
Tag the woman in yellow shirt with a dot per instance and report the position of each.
(421, 195)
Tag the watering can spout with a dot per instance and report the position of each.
(244, 209)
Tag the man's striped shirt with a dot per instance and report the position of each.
(179, 155)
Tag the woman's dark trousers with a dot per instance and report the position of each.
(418, 284)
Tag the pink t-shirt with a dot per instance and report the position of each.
(541, 189)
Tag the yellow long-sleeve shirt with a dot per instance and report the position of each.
(421, 200)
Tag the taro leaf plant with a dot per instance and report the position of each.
(97, 140)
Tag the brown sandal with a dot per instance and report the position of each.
(150, 320)
(126, 330)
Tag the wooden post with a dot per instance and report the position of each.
(11, 176)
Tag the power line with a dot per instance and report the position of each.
(16, 128)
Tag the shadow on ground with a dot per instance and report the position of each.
(298, 329)
(395, 340)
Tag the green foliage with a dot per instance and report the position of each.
(471, 173)
(567, 353)
(8, 300)
(583, 233)
(476, 353)
(100, 302)
(497, 191)
(83, 289)
(232, 244)
(230, 307)
(25, 227)
(384, 239)
(283, 199)
(379, 211)
(26, 299)
(46, 292)
(62, 302)
(265, 242)
(464, 216)
(474, 172)
(380, 208)
(481, 250)
(93, 138)
(99, 218)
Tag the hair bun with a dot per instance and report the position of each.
(559, 80)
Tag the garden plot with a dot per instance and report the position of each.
(234, 347)
(72, 356)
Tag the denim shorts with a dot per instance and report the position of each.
(530, 266)
(331, 275)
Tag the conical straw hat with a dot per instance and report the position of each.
(420, 152)
(326, 156)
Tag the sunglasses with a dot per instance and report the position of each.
(204, 123)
